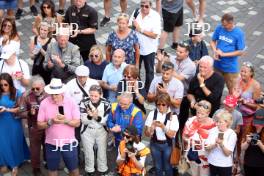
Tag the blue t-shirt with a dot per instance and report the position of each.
(228, 41)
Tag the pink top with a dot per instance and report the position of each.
(59, 134)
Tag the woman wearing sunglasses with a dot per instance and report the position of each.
(13, 149)
(247, 90)
(196, 131)
(48, 14)
(8, 33)
(161, 126)
(132, 83)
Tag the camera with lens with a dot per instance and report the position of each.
(259, 100)
(130, 147)
(254, 138)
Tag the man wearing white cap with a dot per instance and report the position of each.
(82, 83)
(17, 68)
(59, 115)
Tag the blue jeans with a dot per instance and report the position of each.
(161, 156)
(149, 67)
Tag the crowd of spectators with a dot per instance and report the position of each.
(83, 97)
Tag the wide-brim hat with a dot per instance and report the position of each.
(55, 87)
(258, 119)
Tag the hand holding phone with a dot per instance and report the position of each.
(221, 135)
(161, 85)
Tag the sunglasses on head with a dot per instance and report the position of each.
(248, 64)
(35, 88)
(144, 6)
(4, 85)
(203, 105)
(184, 44)
(166, 66)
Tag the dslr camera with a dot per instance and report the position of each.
(254, 138)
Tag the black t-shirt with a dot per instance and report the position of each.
(122, 87)
(215, 84)
(96, 71)
(254, 157)
(87, 17)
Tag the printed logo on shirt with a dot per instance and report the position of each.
(224, 38)
(73, 14)
(85, 15)
(76, 92)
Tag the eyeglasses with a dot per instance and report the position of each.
(96, 56)
(126, 135)
(205, 106)
(4, 85)
(167, 66)
(161, 104)
(248, 64)
(46, 7)
(144, 6)
(35, 88)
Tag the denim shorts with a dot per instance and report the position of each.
(68, 152)
(8, 4)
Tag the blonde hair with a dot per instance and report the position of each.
(226, 116)
(123, 16)
(96, 48)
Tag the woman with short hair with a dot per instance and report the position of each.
(162, 126)
(123, 38)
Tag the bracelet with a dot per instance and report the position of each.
(202, 85)
(80, 31)
(66, 122)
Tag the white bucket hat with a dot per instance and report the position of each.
(55, 87)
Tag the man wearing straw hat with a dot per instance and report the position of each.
(59, 115)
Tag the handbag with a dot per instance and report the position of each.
(175, 153)
(193, 156)
(247, 111)
(183, 164)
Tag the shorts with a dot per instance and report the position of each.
(68, 152)
(171, 20)
(8, 4)
(230, 79)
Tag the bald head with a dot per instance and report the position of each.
(118, 57)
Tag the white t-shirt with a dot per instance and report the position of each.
(74, 91)
(172, 124)
(13, 69)
(216, 156)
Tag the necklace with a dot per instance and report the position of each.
(244, 86)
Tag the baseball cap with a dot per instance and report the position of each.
(230, 101)
(82, 71)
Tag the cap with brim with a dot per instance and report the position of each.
(9, 49)
(82, 71)
(230, 101)
(55, 87)
(258, 119)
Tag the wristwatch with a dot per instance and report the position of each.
(49, 122)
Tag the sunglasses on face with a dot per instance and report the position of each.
(7, 25)
(126, 136)
(161, 104)
(144, 6)
(46, 7)
(4, 85)
(95, 56)
(204, 106)
(128, 76)
(35, 88)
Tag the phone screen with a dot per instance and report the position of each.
(221, 135)
(160, 84)
(61, 110)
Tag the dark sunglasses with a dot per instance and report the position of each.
(4, 85)
(204, 106)
(7, 25)
(144, 6)
(127, 76)
(46, 7)
(161, 104)
(35, 88)
(126, 136)
(167, 66)
(96, 56)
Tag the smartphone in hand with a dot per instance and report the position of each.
(61, 110)
(160, 84)
(221, 135)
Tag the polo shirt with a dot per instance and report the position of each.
(151, 22)
(174, 88)
(186, 68)
(87, 17)
(19, 66)
(59, 134)
(74, 91)
(112, 76)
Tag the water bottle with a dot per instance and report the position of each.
(37, 48)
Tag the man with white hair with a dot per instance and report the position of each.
(62, 58)
(113, 73)
(17, 68)
(123, 114)
(207, 85)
